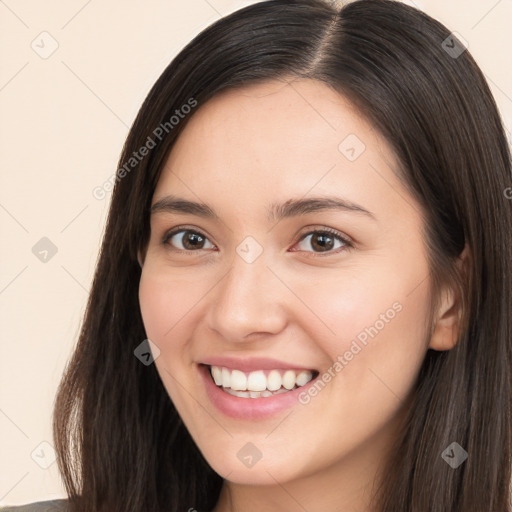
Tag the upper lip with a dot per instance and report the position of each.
(253, 364)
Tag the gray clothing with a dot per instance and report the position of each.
(39, 506)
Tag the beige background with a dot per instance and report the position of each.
(63, 122)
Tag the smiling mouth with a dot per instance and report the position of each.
(260, 383)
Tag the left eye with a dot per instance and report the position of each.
(324, 241)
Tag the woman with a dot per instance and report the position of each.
(302, 300)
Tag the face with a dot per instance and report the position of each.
(307, 262)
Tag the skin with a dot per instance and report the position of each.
(240, 151)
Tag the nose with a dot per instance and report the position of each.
(249, 300)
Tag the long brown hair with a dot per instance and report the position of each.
(121, 446)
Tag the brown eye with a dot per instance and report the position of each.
(187, 240)
(324, 241)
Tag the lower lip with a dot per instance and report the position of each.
(248, 408)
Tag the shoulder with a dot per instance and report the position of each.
(39, 506)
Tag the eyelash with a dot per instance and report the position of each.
(347, 244)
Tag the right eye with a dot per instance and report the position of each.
(186, 240)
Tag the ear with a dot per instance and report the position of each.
(447, 322)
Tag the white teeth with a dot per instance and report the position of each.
(238, 381)
(256, 384)
(257, 381)
(241, 394)
(303, 378)
(254, 394)
(289, 379)
(217, 375)
(274, 381)
(226, 378)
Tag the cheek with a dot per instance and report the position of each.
(345, 303)
(164, 304)
(165, 299)
(155, 305)
(372, 325)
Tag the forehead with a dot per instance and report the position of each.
(279, 140)
(292, 120)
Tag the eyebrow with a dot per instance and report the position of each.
(275, 212)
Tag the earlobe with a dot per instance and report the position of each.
(447, 327)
